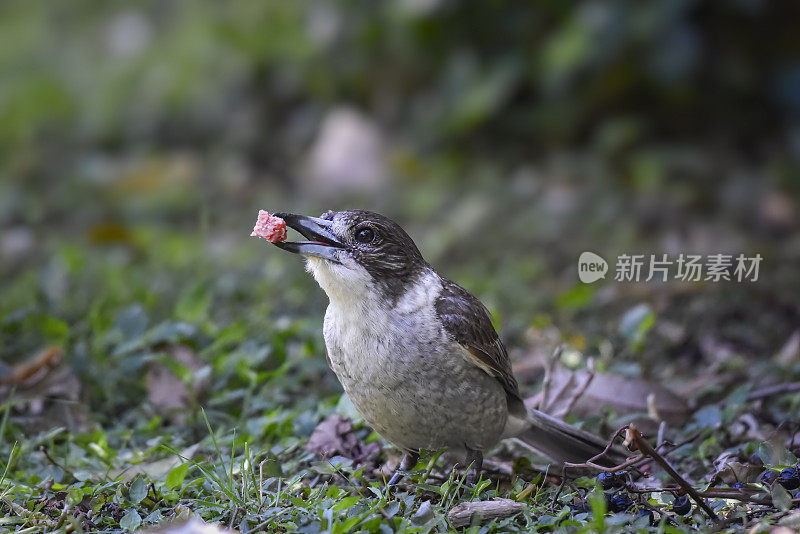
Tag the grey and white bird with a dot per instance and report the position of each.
(416, 353)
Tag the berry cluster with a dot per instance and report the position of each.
(619, 501)
(611, 480)
(682, 505)
(789, 478)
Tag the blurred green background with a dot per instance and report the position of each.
(139, 140)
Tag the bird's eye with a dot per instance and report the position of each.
(365, 235)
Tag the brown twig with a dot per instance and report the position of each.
(548, 377)
(740, 494)
(642, 445)
(580, 390)
(50, 459)
(481, 512)
(675, 446)
(590, 463)
(560, 487)
(662, 431)
(62, 517)
(771, 391)
(631, 462)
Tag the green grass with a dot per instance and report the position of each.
(132, 169)
(100, 453)
(238, 455)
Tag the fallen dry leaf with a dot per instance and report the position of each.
(730, 468)
(775, 210)
(790, 351)
(335, 437)
(158, 468)
(38, 363)
(541, 343)
(559, 397)
(170, 395)
(45, 391)
(747, 425)
(716, 351)
(791, 521)
(624, 395)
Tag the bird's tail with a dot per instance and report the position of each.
(562, 442)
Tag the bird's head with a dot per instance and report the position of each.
(354, 254)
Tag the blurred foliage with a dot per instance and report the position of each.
(444, 75)
(138, 141)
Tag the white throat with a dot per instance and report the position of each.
(350, 287)
(346, 283)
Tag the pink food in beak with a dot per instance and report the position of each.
(271, 228)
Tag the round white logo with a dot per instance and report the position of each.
(591, 267)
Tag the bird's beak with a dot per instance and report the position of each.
(322, 243)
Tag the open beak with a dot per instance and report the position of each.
(321, 241)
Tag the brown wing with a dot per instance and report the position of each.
(468, 321)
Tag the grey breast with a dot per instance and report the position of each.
(411, 382)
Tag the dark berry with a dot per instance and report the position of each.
(619, 502)
(606, 480)
(682, 505)
(645, 512)
(738, 485)
(579, 508)
(768, 477)
(790, 478)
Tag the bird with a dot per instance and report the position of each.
(417, 353)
